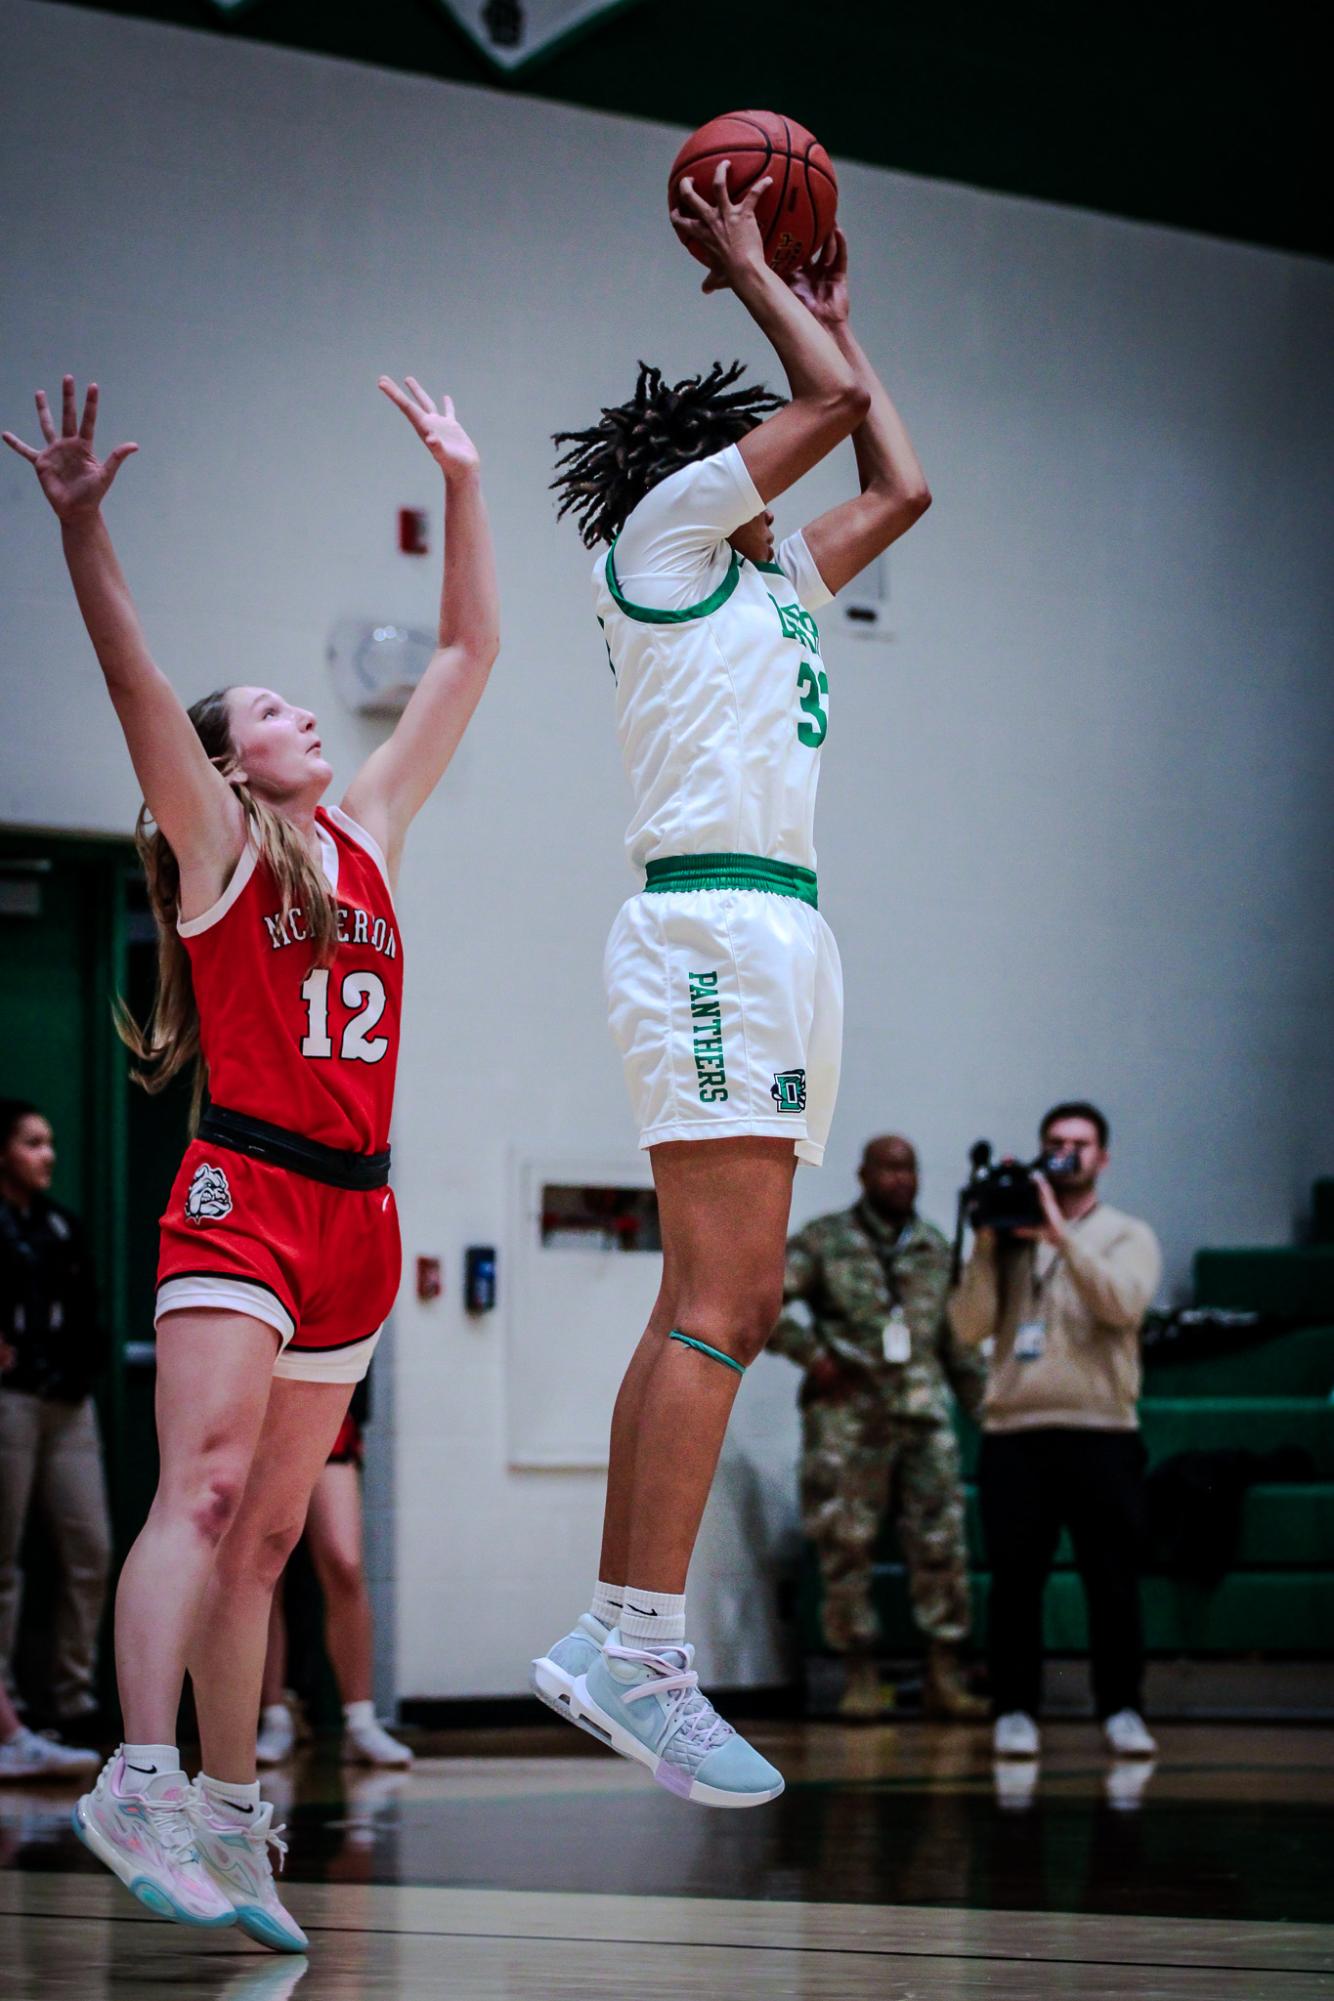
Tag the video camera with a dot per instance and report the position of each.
(1002, 1195)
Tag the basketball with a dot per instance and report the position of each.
(797, 213)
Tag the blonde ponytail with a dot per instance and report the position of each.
(169, 1040)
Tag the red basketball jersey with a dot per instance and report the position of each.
(311, 1048)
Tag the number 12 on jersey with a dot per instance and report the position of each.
(361, 992)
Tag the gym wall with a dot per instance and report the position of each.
(1072, 832)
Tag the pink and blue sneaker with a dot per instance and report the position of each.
(146, 1837)
(235, 1852)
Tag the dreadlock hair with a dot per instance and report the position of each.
(169, 1041)
(666, 425)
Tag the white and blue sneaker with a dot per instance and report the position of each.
(650, 1707)
(236, 1857)
(553, 1675)
(147, 1839)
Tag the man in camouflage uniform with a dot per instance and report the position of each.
(880, 1359)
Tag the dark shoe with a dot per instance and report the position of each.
(863, 1699)
(946, 1695)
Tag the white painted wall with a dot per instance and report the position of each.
(1072, 836)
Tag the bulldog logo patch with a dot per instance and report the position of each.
(209, 1198)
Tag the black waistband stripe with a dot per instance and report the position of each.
(277, 1147)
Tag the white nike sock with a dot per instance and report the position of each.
(607, 1602)
(359, 1715)
(653, 1618)
(275, 1712)
(148, 1761)
(243, 1799)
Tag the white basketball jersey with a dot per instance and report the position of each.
(722, 701)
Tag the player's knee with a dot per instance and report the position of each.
(756, 1322)
(214, 1505)
(273, 1547)
(739, 1325)
(340, 1573)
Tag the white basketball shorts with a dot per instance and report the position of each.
(727, 1008)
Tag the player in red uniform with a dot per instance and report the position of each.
(281, 968)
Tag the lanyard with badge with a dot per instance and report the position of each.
(896, 1334)
(1030, 1336)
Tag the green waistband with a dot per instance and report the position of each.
(732, 872)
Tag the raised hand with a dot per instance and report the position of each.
(725, 230)
(439, 430)
(1053, 1230)
(70, 474)
(823, 287)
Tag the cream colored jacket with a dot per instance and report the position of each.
(1076, 1312)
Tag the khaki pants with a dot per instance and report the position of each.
(50, 1452)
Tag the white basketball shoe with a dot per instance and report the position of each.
(147, 1839)
(234, 1849)
(369, 1743)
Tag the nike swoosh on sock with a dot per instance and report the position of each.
(148, 1770)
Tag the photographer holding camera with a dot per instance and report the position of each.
(1059, 1283)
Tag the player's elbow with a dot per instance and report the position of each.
(480, 648)
(916, 500)
(902, 502)
(850, 405)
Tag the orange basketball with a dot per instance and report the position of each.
(797, 213)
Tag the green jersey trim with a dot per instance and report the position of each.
(684, 872)
(772, 569)
(683, 617)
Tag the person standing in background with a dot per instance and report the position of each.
(879, 1362)
(52, 1347)
(1063, 1304)
(334, 1541)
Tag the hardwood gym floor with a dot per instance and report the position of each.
(523, 1864)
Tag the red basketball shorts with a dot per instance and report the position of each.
(319, 1265)
(348, 1446)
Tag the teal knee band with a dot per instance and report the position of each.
(703, 1348)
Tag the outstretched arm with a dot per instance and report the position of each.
(894, 490)
(828, 401)
(398, 778)
(187, 796)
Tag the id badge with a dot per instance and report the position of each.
(896, 1338)
(1030, 1339)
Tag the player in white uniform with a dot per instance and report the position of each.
(723, 979)
(727, 1005)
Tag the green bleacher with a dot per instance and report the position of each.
(1278, 1599)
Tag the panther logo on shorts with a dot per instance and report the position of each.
(788, 1090)
(209, 1199)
